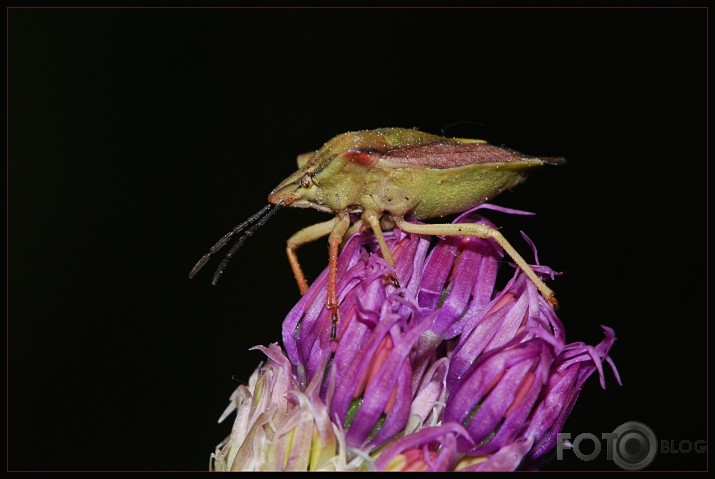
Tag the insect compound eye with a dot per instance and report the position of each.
(306, 181)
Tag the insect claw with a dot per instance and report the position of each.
(333, 308)
(333, 322)
(334, 325)
(391, 278)
(554, 303)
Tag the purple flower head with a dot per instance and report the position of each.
(440, 370)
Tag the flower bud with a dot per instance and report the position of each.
(262, 409)
(496, 395)
(278, 427)
(570, 370)
(518, 310)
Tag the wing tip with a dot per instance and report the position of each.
(554, 160)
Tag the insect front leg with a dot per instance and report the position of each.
(481, 231)
(342, 223)
(306, 235)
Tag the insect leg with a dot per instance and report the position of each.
(373, 219)
(342, 224)
(481, 231)
(306, 235)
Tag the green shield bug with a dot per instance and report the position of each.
(384, 176)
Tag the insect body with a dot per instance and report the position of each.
(385, 176)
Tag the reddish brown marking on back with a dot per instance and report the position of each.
(450, 155)
(363, 158)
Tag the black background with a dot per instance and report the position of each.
(137, 137)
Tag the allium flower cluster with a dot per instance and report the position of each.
(442, 372)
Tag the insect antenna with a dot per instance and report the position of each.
(222, 242)
(246, 234)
